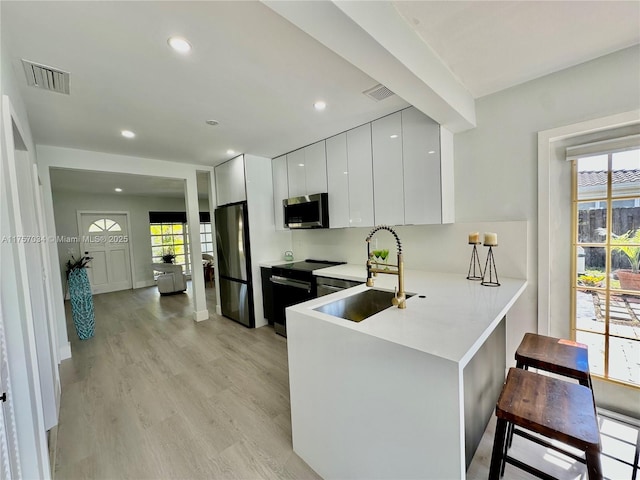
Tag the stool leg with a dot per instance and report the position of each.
(594, 468)
(498, 448)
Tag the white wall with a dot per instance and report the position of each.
(267, 243)
(21, 345)
(66, 204)
(496, 172)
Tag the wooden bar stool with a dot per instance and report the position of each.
(555, 409)
(556, 355)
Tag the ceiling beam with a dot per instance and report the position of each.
(374, 37)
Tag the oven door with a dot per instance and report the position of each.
(287, 292)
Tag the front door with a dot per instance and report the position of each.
(104, 236)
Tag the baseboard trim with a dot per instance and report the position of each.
(201, 315)
(145, 283)
(64, 352)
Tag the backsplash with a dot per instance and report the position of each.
(439, 248)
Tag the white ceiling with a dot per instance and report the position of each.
(491, 45)
(258, 74)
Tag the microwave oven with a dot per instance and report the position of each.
(308, 211)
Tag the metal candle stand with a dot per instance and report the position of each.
(474, 264)
(490, 269)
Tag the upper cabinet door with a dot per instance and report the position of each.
(280, 189)
(338, 181)
(230, 181)
(296, 173)
(422, 176)
(315, 167)
(360, 174)
(387, 170)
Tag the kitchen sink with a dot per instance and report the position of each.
(360, 306)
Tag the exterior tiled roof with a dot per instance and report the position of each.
(591, 179)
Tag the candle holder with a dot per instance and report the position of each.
(490, 270)
(475, 268)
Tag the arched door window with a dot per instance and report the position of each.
(104, 225)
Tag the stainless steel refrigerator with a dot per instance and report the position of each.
(234, 263)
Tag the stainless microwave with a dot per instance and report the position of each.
(309, 211)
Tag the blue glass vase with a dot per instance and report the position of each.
(81, 303)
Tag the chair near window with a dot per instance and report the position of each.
(207, 264)
(171, 279)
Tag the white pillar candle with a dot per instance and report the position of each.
(474, 237)
(490, 239)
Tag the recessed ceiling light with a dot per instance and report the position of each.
(395, 135)
(213, 123)
(179, 44)
(230, 152)
(430, 152)
(301, 164)
(118, 189)
(127, 134)
(320, 105)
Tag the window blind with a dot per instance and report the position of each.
(614, 145)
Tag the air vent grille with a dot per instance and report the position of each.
(47, 78)
(379, 92)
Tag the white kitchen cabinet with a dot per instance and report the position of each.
(307, 170)
(296, 174)
(422, 173)
(230, 181)
(360, 174)
(315, 168)
(338, 181)
(280, 189)
(388, 182)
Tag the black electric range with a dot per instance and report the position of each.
(293, 283)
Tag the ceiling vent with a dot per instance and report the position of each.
(47, 78)
(379, 92)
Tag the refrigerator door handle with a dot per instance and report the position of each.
(291, 283)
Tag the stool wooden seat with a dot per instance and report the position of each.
(556, 355)
(556, 409)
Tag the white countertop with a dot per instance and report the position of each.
(271, 263)
(452, 321)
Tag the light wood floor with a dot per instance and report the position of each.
(156, 395)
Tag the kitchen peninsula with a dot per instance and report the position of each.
(404, 393)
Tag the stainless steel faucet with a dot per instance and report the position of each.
(399, 300)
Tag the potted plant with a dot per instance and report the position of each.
(168, 256)
(629, 279)
(81, 296)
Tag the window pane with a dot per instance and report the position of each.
(592, 222)
(595, 343)
(626, 173)
(166, 229)
(203, 238)
(177, 239)
(624, 359)
(624, 316)
(623, 258)
(592, 177)
(625, 217)
(177, 228)
(591, 260)
(156, 251)
(590, 310)
(178, 249)
(156, 240)
(180, 259)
